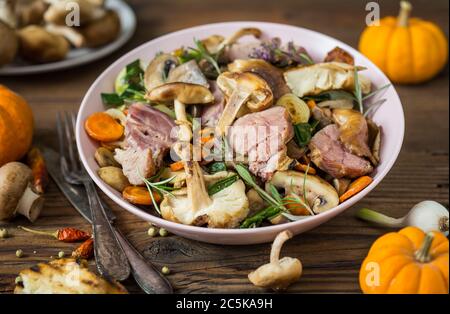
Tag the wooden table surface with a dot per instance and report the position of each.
(332, 253)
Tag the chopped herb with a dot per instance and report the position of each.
(112, 99)
(303, 133)
(358, 92)
(222, 184)
(260, 216)
(331, 95)
(217, 167)
(161, 187)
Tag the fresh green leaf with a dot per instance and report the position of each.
(376, 91)
(222, 184)
(331, 95)
(306, 59)
(111, 100)
(250, 181)
(303, 132)
(276, 195)
(217, 167)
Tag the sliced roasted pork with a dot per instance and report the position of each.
(147, 134)
(330, 155)
(211, 114)
(262, 138)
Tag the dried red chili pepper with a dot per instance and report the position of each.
(64, 234)
(85, 250)
(36, 162)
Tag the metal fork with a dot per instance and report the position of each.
(109, 255)
(145, 274)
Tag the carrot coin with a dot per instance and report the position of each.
(102, 127)
(139, 195)
(355, 187)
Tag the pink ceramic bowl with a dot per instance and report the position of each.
(389, 116)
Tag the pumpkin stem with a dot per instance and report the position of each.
(423, 254)
(405, 11)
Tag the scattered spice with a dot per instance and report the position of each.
(61, 254)
(163, 232)
(85, 250)
(64, 234)
(152, 231)
(3, 233)
(19, 253)
(165, 270)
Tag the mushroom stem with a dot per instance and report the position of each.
(237, 99)
(30, 204)
(278, 244)
(196, 189)
(185, 132)
(240, 33)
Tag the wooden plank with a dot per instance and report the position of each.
(332, 253)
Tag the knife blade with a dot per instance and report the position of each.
(75, 194)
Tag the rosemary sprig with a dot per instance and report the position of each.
(161, 187)
(202, 53)
(358, 92)
(222, 184)
(248, 178)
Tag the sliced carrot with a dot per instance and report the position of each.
(355, 187)
(302, 167)
(125, 111)
(102, 127)
(176, 166)
(206, 139)
(139, 195)
(311, 104)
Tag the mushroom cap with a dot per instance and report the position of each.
(155, 71)
(261, 96)
(14, 179)
(188, 72)
(320, 77)
(271, 74)
(278, 275)
(320, 195)
(185, 93)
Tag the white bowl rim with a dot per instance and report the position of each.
(254, 231)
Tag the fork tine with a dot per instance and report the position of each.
(70, 141)
(62, 151)
(73, 119)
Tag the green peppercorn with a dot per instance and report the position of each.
(163, 232)
(19, 253)
(61, 254)
(3, 233)
(165, 270)
(152, 231)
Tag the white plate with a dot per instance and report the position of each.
(81, 56)
(389, 116)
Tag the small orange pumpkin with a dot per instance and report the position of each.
(408, 261)
(408, 50)
(16, 126)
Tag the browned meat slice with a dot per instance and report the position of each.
(211, 114)
(136, 163)
(147, 134)
(339, 55)
(330, 155)
(354, 133)
(262, 138)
